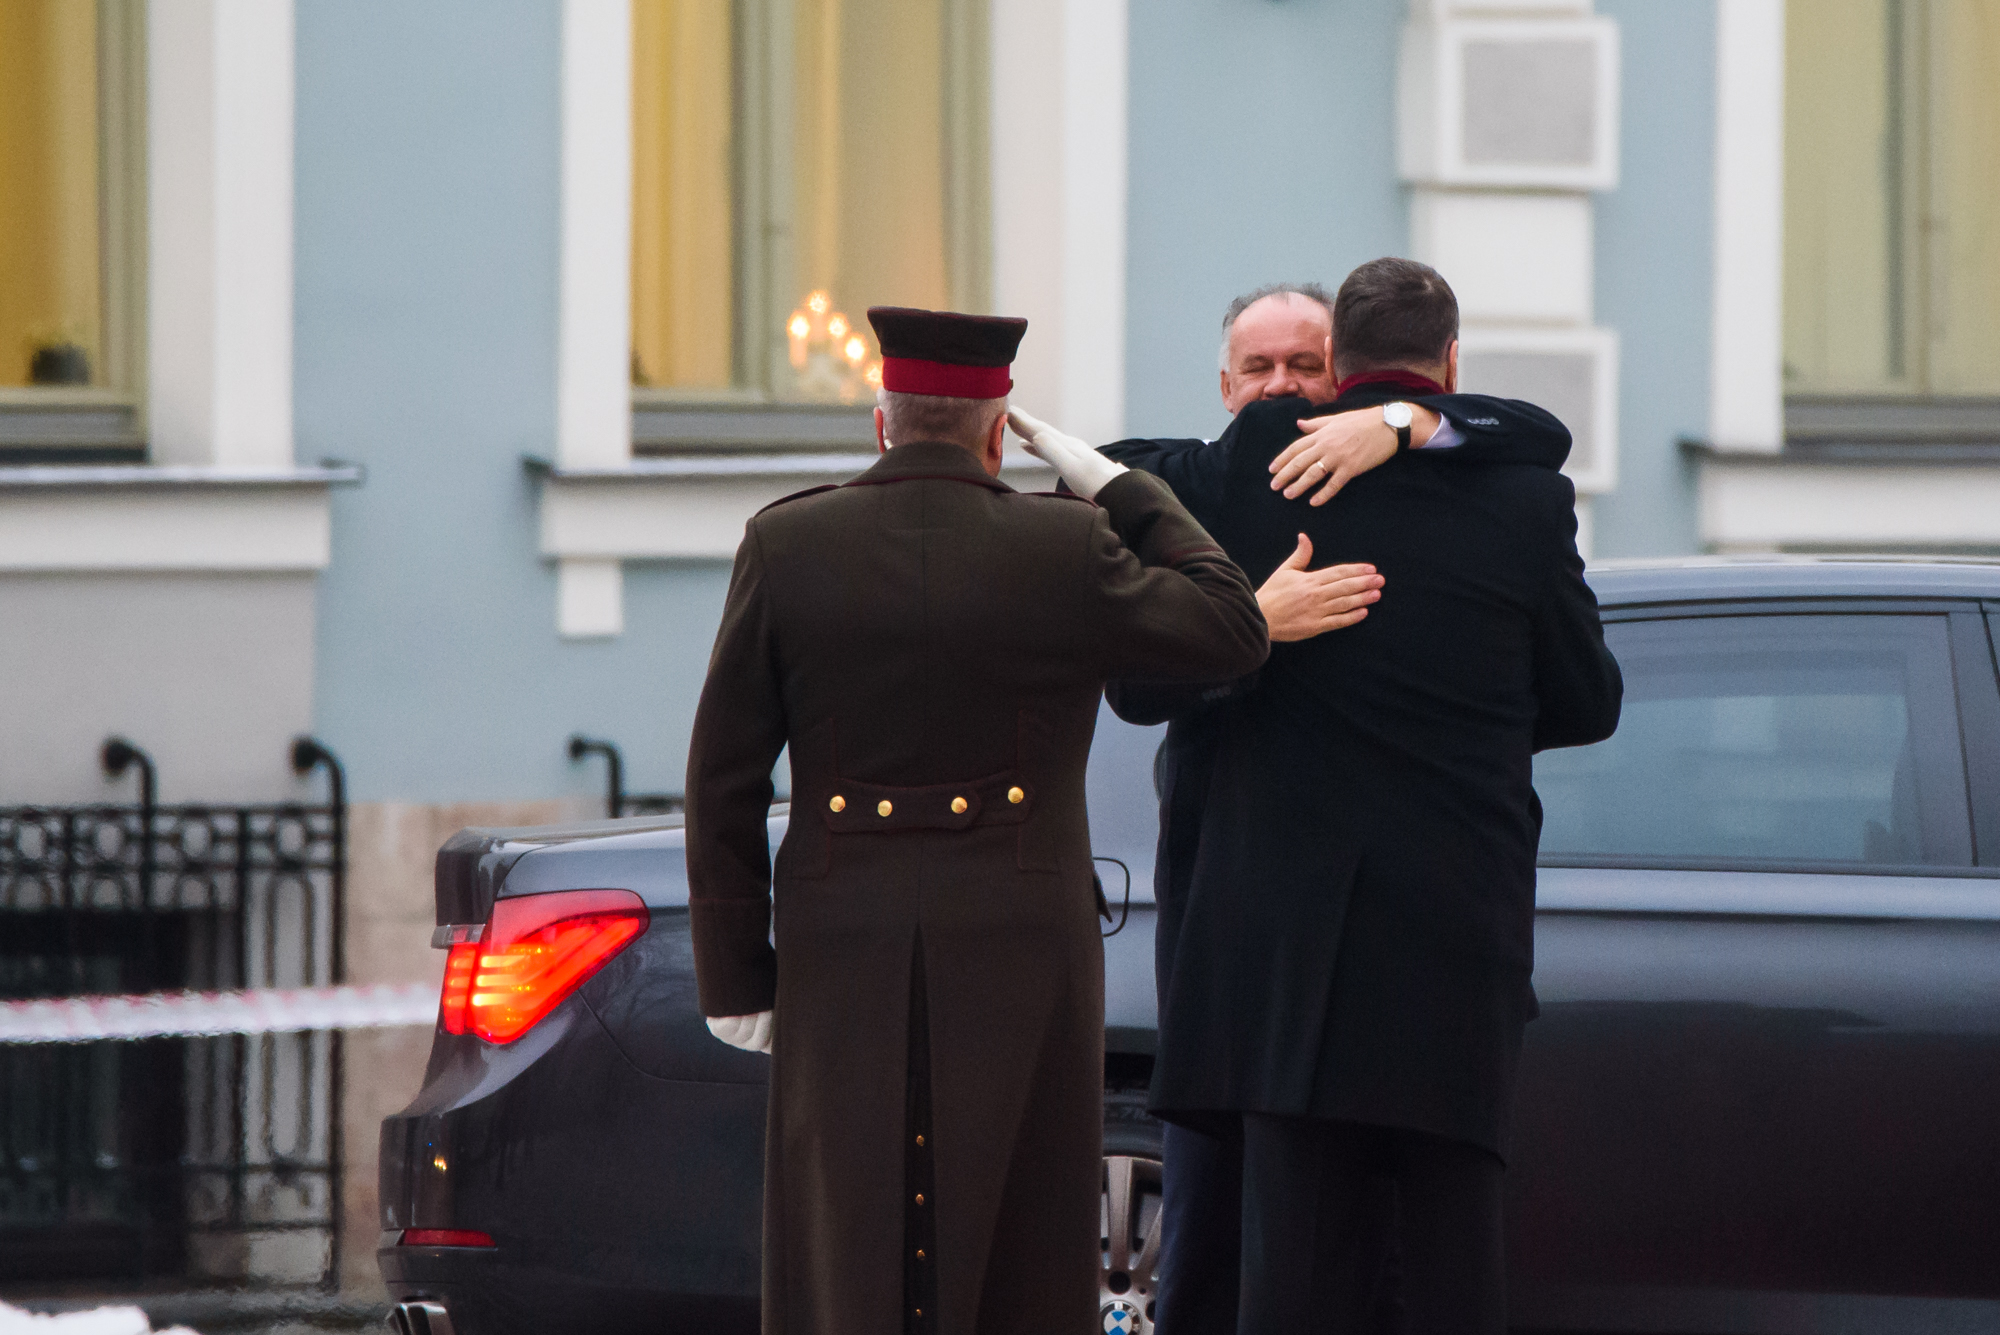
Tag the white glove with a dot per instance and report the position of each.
(752, 1033)
(1082, 467)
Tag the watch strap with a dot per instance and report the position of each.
(1403, 439)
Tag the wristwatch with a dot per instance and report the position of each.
(1398, 415)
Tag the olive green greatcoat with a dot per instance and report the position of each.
(922, 638)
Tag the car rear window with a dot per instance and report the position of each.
(1769, 738)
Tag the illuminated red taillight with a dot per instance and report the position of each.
(458, 970)
(535, 951)
(444, 1237)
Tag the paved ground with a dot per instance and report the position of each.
(223, 1313)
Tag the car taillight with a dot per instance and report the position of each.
(458, 970)
(444, 1237)
(535, 951)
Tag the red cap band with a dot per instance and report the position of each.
(912, 375)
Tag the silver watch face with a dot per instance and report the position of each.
(1396, 414)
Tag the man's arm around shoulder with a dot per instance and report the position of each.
(1503, 431)
(1578, 687)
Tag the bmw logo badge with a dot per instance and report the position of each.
(1120, 1318)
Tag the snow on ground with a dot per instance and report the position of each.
(101, 1321)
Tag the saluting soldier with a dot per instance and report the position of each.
(931, 645)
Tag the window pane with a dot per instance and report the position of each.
(1827, 739)
(1844, 168)
(51, 308)
(683, 205)
(868, 167)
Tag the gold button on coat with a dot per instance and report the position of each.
(958, 806)
(883, 807)
(1016, 796)
(838, 803)
(920, 1198)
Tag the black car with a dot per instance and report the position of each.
(1763, 1094)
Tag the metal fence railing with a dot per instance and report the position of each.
(618, 802)
(197, 1157)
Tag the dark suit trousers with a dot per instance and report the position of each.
(1201, 1233)
(1341, 1227)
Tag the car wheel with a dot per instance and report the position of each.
(1131, 1240)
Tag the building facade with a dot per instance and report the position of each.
(401, 374)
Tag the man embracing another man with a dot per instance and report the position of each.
(1347, 853)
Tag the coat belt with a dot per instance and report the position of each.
(850, 806)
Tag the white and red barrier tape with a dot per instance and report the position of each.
(183, 1014)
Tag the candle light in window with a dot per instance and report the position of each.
(855, 350)
(836, 326)
(873, 375)
(798, 329)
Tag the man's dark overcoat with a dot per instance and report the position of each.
(1347, 847)
(922, 635)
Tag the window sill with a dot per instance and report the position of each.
(690, 507)
(679, 508)
(1862, 492)
(172, 518)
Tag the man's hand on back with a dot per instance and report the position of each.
(1341, 447)
(1299, 603)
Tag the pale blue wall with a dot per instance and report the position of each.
(426, 325)
(1654, 237)
(1263, 147)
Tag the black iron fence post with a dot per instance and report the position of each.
(308, 754)
(614, 797)
(117, 756)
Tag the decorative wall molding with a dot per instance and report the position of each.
(594, 304)
(1572, 372)
(1753, 503)
(1525, 100)
(1512, 257)
(1746, 314)
(1059, 126)
(137, 518)
(1507, 119)
(219, 226)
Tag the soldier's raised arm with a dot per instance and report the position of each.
(1171, 604)
(739, 729)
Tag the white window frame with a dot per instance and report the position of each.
(221, 490)
(1057, 111)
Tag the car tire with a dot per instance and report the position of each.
(1130, 1239)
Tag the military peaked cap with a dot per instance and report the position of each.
(945, 354)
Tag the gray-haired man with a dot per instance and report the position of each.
(1278, 342)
